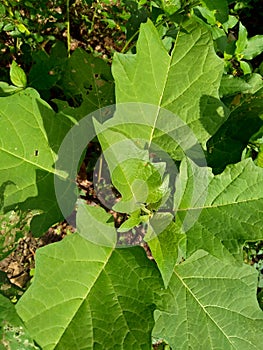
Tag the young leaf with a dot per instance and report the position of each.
(7, 90)
(245, 67)
(210, 304)
(254, 47)
(132, 221)
(208, 15)
(231, 85)
(138, 182)
(17, 75)
(242, 41)
(105, 299)
(170, 7)
(135, 177)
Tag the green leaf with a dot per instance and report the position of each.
(227, 145)
(219, 213)
(105, 300)
(192, 69)
(13, 334)
(137, 16)
(132, 221)
(89, 79)
(242, 41)
(91, 225)
(210, 305)
(22, 28)
(170, 6)
(6, 89)
(231, 85)
(165, 247)
(27, 155)
(209, 16)
(246, 67)
(17, 75)
(138, 182)
(84, 79)
(20, 154)
(47, 70)
(2, 10)
(135, 177)
(232, 21)
(9, 27)
(254, 47)
(219, 7)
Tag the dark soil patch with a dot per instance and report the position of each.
(21, 261)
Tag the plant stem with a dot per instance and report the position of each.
(129, 41)
(68, 28)
(134, 35)
(9, 8)
(93, 18)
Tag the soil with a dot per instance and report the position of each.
(21, 262)
(98, 38)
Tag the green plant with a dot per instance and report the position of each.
(245, 50)
(89, 292)
(231, 37)
(23, 20)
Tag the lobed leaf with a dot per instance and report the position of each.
(89, 296)
(219, 213)
(185, 83)
(28, 146)
(210, 304)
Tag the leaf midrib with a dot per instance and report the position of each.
(86, 296)
(218, 205)
(37, 165)
(163, 90)
(201, 306)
